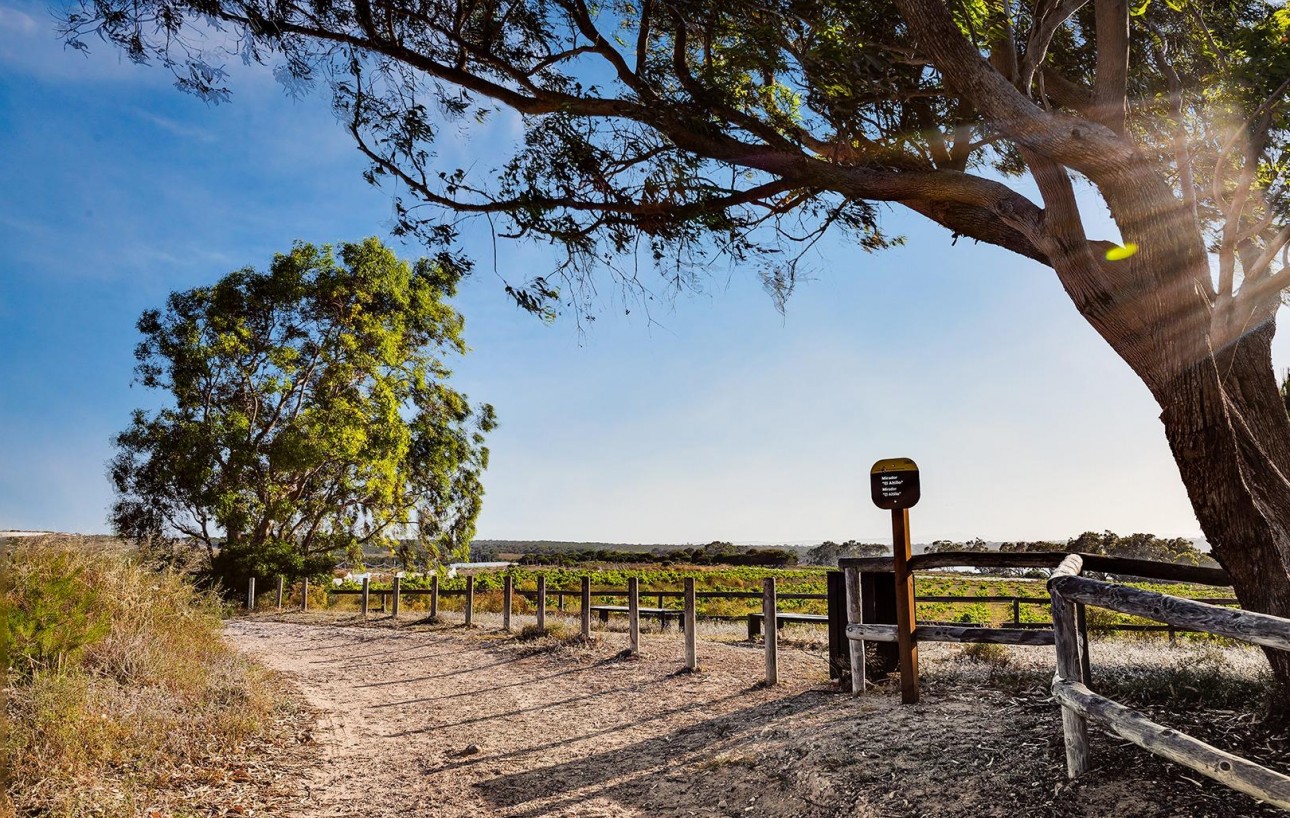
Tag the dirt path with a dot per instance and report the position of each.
(452, 723)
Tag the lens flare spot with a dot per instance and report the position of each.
(1121, 253)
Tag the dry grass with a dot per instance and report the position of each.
(117, 682)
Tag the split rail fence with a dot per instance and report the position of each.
(1069, 594)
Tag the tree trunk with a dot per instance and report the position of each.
(1227, 426)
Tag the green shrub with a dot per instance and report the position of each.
(50, 611)
(116, 677)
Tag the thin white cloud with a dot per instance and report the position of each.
(13, 21)
(171, 126)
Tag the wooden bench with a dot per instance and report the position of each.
(663, 614)
(781, 619)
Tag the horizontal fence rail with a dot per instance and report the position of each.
(1015, 601)
(952, 633)
(1120, 566)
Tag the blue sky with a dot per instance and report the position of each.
(716, 418)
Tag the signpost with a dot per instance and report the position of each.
(894, 486)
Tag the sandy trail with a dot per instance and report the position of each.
(450, 722)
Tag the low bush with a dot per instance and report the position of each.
(531, 632)
(986, 653)
(115, 678)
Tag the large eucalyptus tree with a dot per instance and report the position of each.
(686, 128)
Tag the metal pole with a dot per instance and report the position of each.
(398, 587)
(250, 594)
(366, 592)
(281, 582)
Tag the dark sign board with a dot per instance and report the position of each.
(894, 483)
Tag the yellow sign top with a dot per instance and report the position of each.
(894, 464)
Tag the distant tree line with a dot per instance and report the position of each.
(489, 550)
(1107, 543)
(714, 553)
(828, 553)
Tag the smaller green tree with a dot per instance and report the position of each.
(311, 417)
(829, 552)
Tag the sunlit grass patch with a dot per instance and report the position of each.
(116, 678)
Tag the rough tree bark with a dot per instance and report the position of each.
(1227, 426)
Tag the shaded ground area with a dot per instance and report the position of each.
(451, 722)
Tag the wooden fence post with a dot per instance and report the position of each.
(398, 587)
(281, 582)
(304, 594)
(633, 615)
(771, 629)
(905, 620)
(690, 623)
(434, 596)
(470, 599)
(1016, 611)
(250, 594)
(1081, 628)
(854, 615)
(1066, 641)
(508, 588)
(1074, 726)
(367, 589)
(541, 603)
(586, 607)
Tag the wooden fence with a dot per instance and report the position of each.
(908, 636)
(844, 655)
(1070, 592)
(389, 600)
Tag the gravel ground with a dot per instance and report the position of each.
(450, 722)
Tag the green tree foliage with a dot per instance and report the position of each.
(310, 415)
(1139, 546)
(1108, 543)
(829, 552)
(943, 546)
